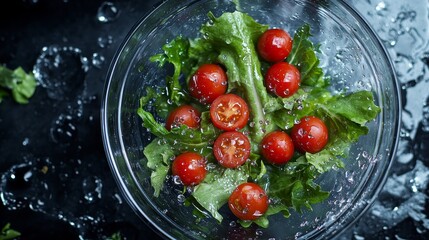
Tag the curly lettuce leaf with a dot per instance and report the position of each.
(158, 157)
(216, 188)
(176, 53)
(303, 56)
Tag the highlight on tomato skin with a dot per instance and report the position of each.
(310, 134)
(274, 45)
(283, 79)
(277, 147)
(190, 167)
(229, 112)
(208, 83)
(248, 201)
(185, 114)
(231, 149)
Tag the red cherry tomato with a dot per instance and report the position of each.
(231, 149)
(274, 45)
(185, 114)
(310, 135)
(248, 201)
(208, 83)
(229, 112)
(277, 147)
(283, 79)
(190, 167)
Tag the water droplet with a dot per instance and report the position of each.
(107, 12)
(92, 187)
(25, 142)
(104, 42)
(64, 129)
(181, 198)
(61, 71)
(97, 60)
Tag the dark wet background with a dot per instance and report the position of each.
(55, 181)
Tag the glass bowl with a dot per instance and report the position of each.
(350, 53)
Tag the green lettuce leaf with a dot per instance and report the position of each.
(20, 84)
(303, 56)
(176, 53)
(158, 156)
(214, 191)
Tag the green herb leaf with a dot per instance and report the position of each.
(20, 84)
(8, 233)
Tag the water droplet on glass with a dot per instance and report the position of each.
(107, 12)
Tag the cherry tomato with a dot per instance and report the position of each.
(229, 112)
(190, 167)
(274, 45)
(310, 135)
(283, 79)
(248, 201)
(208, 83)
(231, 149)
(277, 147)
(185, 114)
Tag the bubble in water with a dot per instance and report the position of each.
(61, 71)
(107, 12)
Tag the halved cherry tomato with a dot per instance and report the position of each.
(274, 45)
(208, 83)
(310, 134)
(229, 112)
(231, 149)
(248, 201)
(190, 167)
(185, 114)
(283, 79)
(277, 147)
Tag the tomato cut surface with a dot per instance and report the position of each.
(310, 134)
(283, 79)
(277, 147)
(185, 114)
(208, 83)
(229, 112)
(231, 149)
(248, 201)
(190, 167)
(274, 45)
